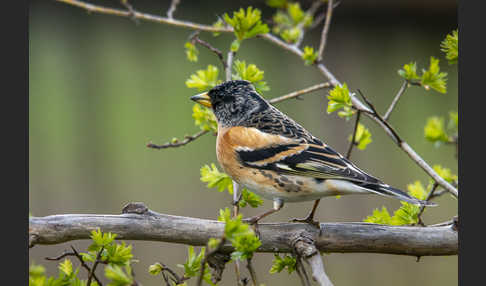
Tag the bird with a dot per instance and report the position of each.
(267, 152)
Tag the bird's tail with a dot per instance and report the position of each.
(388, 191)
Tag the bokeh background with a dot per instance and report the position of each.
(101, 87)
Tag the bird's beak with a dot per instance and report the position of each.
(203, 99)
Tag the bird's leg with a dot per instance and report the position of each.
(277, 205)
(310, 217)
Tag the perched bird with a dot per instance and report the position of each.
(266, 151)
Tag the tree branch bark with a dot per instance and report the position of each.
(139, 223)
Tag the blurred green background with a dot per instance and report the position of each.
(101, 87)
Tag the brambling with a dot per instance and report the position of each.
(267, 152)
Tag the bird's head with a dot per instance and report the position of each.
(233, 102)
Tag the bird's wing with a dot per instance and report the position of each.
(295, 157)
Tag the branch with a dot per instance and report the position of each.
(291, 48)
(172, 8)
(305, 247)
(395, 100)
(298, 93)
(175, 144)
(325, 30)
(139, 223)
(219, 54)
(353, 138)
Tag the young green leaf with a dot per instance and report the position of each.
(445, 173)
(339, 98)
(453, 120)
(309, 56)
(379, 217)
(246, 24)
(215, 178)
(241, 236)
(155, 269)
(191, 52)
(291, 35)
(409, 71)
(250, 198)
(434, 130)
(119, 254)
(433, 78)
(362, 138)
(66, 267)
(250, 73)
(417, 190)
(118, 276)
(450, 47)
(204, 79)
(204, 118)
(218, 24)
(279, 263)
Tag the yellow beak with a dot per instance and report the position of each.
(203, 99)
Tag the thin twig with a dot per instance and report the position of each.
(311, 11)
(250, 268)
(236, 208)
(325, 30)
(195, 38)
(422, 208)
(317, 20)
(130, 10)
(188, 139)
(298, 93)
(353, 138)
(77, 255)
(97, 261)
(395, 100)
(172, 8)
(206, 257)
(229, 64)
(300, 269)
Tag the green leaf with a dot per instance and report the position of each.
(204, 79)
(218, 24)
(450, 47)
(417, 190)
(119, 254)
(433, 78)
(309, 56)
(339, 98)
(295, 12)
(246, 24)
(409, 71)
(445, 173)
(66, 267)
(250, 198)
(192, 266)
(204, 118)
(291, 35)
(241, 236)
(379, 217)
(407, 214)
(215, 178)
(279, 263)
(191, 52)
(155, 269)
(118, 276)
(434, 130)
(250, 73)
(362, 138)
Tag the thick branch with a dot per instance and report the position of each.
(139, 223)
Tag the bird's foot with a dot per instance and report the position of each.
(309, 219)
